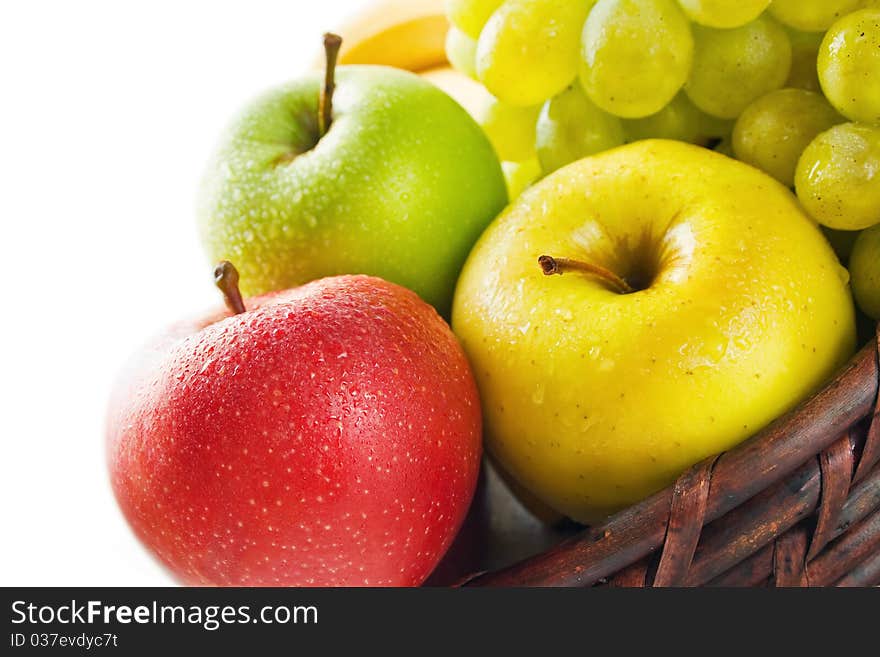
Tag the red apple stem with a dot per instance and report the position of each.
(332, 44)
(551, 265)
(226, 278)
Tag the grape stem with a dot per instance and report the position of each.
(226, 279)
(551, 266)
(332, 44)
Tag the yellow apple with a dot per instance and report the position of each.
(715, 305)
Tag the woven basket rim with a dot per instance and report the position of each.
(797, 504)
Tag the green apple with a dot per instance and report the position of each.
(697, 303)
(399, 183)
(864, 267)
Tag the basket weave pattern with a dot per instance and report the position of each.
(798, 504)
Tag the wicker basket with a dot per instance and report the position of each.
(798, 504)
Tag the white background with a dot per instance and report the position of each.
(108, 112)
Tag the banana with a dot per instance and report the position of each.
(407, 34)
(469, 93)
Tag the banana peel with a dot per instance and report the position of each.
(407, 34)
(411, 35)
(469, 93)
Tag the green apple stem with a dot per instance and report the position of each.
(550, 266)
(226, 278)
(332, 44)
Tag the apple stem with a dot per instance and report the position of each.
(550, 266)
(226, 278)
(332, 44)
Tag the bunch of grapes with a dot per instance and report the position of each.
(791, 87)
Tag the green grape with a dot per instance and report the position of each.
(520, 175)
(635, 55)
(461, 51)
(528, 50)
(842, 241)
(811, 15)
(470, 16)
(511, 129)
(849, 65)
(836, 177)
(804, 52)
(712, 128)
(772, 132)
(680, 120)
(723, 13)
(571, 127)
(734, 67)
(864, 268)
(725, 147)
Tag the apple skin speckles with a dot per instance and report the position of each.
(329, 436)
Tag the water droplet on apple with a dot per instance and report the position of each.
(273, 229)
(538, 394)
(606, 365)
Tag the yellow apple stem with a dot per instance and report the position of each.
(550, 266)
(332, 44)
(226, 278)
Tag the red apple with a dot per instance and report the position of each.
(327, 435)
